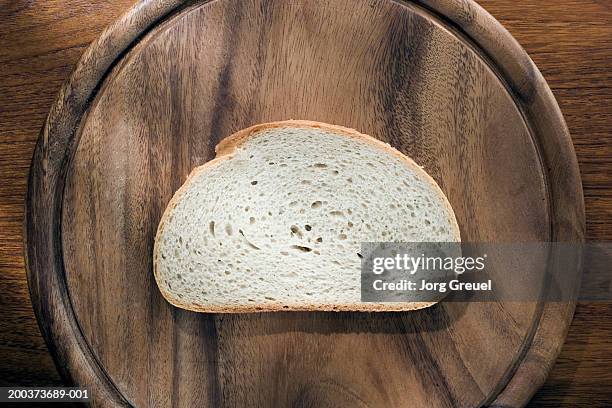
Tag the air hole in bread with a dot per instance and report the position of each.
(295, 230)
(301, 248)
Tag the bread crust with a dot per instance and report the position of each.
(225, 150)
(271, 307)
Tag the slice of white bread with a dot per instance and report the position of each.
(276, 220)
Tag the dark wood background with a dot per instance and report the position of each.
(41, 40)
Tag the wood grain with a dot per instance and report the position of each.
(596, 120)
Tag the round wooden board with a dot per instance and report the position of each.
(440, 80)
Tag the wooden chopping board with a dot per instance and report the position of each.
(440, 80)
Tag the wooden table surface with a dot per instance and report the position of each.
(569, 40)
